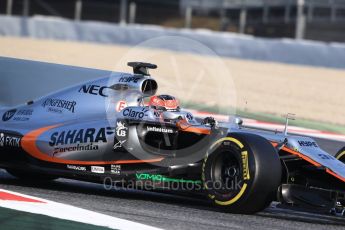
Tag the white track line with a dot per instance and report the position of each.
(68, 212)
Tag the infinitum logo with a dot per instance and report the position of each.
(159, 129)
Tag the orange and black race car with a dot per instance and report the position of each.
(103, 131)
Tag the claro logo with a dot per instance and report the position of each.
(132, 113)
(94, 90)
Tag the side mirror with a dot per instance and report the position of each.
(238, 121)
(171, 116)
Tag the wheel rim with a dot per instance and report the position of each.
(227, 173)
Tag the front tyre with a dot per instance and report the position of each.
(341, 155)
(241, 173)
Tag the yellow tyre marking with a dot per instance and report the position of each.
(233, 200)
(245, 163)
(340, 155)
(229, 139)
(246, 174)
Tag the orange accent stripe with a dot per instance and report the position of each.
(301, 156)
(335, 175)
(275, 144)
(197, 130)
(185, 127)
(314, 163)
(28, 143)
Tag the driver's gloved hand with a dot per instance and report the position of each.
(209, 121)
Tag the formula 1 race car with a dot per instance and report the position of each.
(115, 130)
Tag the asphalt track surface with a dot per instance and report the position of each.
(171, 211)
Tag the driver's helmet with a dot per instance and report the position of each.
(164, 103)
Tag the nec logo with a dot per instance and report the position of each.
(94, 90)
(8, 115)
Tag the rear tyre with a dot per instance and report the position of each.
(341, 155)
(241, 173)
(30, 176)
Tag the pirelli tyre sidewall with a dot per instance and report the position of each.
(341, 155)
(258, 173)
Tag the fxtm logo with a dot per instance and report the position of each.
(80, 136)
(94, 90)
(8, 115)
(8, 140)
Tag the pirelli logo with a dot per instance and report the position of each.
(245, 165)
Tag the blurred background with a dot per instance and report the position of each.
(322, 20)
(282, 56)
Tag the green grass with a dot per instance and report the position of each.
(266, 117)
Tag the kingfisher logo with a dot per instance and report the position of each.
(57, 105)
(9, 114)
